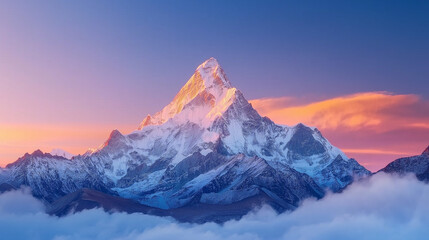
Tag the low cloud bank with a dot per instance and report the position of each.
(383, 207)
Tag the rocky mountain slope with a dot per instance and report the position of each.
(418, 165)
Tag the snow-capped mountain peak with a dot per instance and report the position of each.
(61, 153)
(37, 153)
(115, 141)
(208, 146)
(212, 74)
(206, 95)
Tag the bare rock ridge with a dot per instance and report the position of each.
(426, 151)
(417, 165)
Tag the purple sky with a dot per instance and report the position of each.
(108, 64)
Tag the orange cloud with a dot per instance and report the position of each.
(377, 110)
(375, 151)
(373, 127)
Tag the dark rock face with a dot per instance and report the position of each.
(88, 199)
(85, 199)
(414, 164)
(341, 173)
(191, 167)
(303, 142)
(426, 151)
(424, 176)
(5, 187)
(418, 165)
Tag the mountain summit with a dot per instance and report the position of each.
(205, 96)
(417, 165)
(208, 147)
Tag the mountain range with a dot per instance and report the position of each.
(206, 156)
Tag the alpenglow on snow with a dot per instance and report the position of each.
(207, 147)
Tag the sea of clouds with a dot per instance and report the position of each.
(382, 207)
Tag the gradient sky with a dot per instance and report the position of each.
(70, 72)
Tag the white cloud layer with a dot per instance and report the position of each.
(383, 207)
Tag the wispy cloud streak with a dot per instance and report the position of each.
(374, 127)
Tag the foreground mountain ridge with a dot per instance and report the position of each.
(417, 165)
(208, 146)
